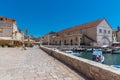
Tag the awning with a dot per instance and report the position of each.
(6, 38)
(116, 42)
(105, 46)
(30, 40)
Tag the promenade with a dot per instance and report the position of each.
(33, 64)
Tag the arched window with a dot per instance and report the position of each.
(76, 39)
(1, 19)
(64, 42)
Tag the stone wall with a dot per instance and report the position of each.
(93, 70)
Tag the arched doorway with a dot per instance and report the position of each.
(60, 42)
(64, 42)
(105, 41)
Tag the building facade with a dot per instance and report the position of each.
(95, 33)
(118, 34)
(9, 31)
(114, 36)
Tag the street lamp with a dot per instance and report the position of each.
(48, 39)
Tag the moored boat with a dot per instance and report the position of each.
(97, 56)
(79, 49)
(116, 52)
(107, 50)
(89, 49)
(117, 66)
(69, 52)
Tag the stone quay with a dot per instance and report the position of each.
(33, 64)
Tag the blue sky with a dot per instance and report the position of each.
(43, 16)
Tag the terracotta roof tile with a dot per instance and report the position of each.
(2, 17)
(114, 31)
(83, 26)
(10, 20)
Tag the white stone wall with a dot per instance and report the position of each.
(10, 29)
(104, 26)
(19, 36)
(46, 39)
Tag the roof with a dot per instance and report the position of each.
(10, 20)
(2, 17)
(114, 31)
(52, 32)
(83, 26)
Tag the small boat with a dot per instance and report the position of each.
(116, 52)
(107, 50)
(89, 49)
(55, 49)
(97, 56)
(69, 52)
(73, 53)
(80, 49)
(117, 66)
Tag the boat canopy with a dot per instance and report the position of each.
(97, 52)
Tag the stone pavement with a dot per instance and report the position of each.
(33, 64)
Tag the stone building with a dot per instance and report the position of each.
(114, 36)
(9, 32)
(48, 39)
(95, 33)
(118, 34)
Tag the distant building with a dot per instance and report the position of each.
(118, 34)
(114, 36)
(48, 39)
(96, 33)
(9, 32)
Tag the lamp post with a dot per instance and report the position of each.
(23, 40)
(48, 39)
(12, 38)
(12, 35)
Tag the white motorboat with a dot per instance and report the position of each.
(70, 52)
(98, 56)
(107, 50)
(89, 49)
(117, 66)
(80, 49)
(116, 52)
(73, 53)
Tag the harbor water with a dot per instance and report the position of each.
(110, 59)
